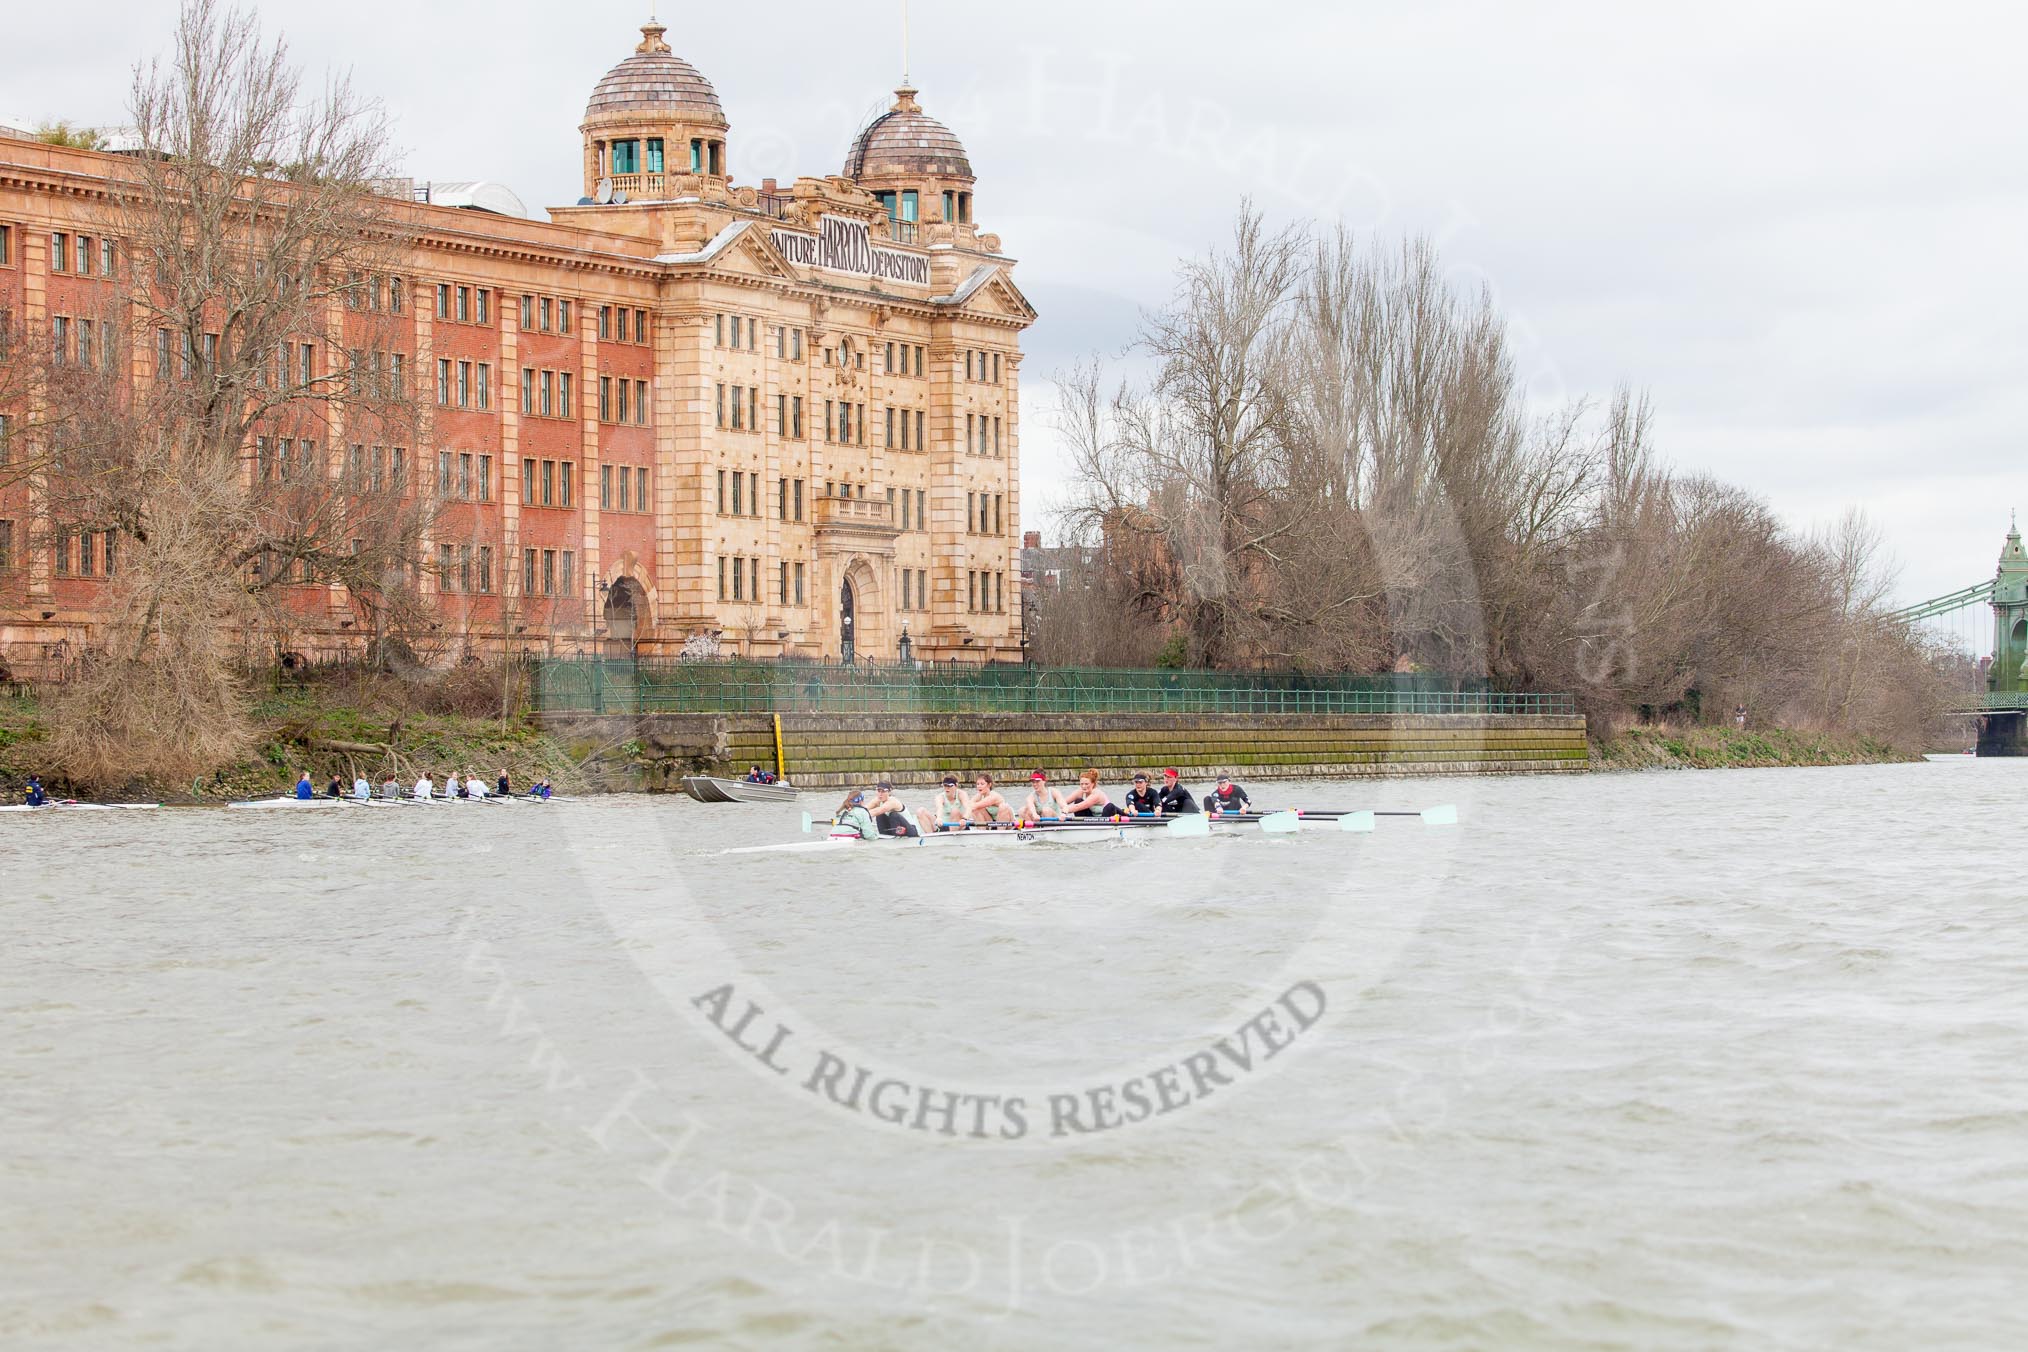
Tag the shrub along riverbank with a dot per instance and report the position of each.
(1697, 748)
(370, 730)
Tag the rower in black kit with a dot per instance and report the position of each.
(1142, 799)
(1175, 800)
(1227, 798)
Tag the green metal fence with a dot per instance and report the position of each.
(719, 687)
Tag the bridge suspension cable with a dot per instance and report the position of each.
(1978, 594)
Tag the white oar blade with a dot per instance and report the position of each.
(808, 822)
(1357, 821)
(1281, 824)
(1190, 826)
(1440, 816)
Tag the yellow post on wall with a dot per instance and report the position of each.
(781, 763)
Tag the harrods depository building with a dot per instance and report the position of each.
(782, 418)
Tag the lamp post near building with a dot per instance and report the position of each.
(907, 648)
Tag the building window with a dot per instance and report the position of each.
(485, 570)
(641, 403)
(485, 308)
(528, 572)
(721, 405)
(640, 488)
(465, 476)
(567, 474)
(549, 572)
(605, 398)
(566, 581)
(640, 326)
(563, 395)
(59, 253)
(528, 483)
(799, 584)
(6, 246)
(738, 481)
(485, 390)
(796, 417)
(796, 499)
(485, 478)
(549, 394)
(527, 390)
(721, 577)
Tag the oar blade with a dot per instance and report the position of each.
(1281, 824)
(1440, 816)
(1362, 822)
(1190, 826)
(808, 822)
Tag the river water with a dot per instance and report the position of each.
(1682, 1060)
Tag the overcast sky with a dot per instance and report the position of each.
(1802, 226)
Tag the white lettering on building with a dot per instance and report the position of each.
(842, 244)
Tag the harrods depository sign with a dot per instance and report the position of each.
(842, 244)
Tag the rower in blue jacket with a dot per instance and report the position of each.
(305, 790)
(36, 796)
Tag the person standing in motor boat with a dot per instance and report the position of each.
(35, 796)
(1226, 799)
(424, 789)
(1175, 800)
(949, 812)
(1142, 799)
(1090, 800)
(889, 813)
(854, 821)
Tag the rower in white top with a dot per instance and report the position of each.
(475, 787)
(425, 788)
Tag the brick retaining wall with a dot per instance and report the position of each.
(834, 751)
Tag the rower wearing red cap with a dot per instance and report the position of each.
(1174, 800)
(1044, 804)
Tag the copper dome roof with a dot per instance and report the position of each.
(655, 78)
(907, 141)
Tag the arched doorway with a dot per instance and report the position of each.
(845, 622)
(625, 608)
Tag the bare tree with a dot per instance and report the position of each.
(256, 445)
(1333, 467)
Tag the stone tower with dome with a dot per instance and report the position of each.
(837, 376)
(687, 413)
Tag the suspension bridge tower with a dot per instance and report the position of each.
(2001, 731)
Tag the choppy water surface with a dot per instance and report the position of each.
(1664, 1061)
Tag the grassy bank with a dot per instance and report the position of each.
(1737, 748)
(371, 729)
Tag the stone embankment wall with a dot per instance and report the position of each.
(835, 751)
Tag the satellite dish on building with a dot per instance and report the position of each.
(604, 194)
(619, 199)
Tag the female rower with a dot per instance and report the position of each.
(854, 821)
(1142, 800)
(1227, 798)
(889, 813)
(1090, 800)
(1044, 803)
(987, 807)
(948, 813)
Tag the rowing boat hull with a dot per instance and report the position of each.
(708, 789)
(1088, 835)
(83, 807)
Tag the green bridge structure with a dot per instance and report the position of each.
(2002, 710)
